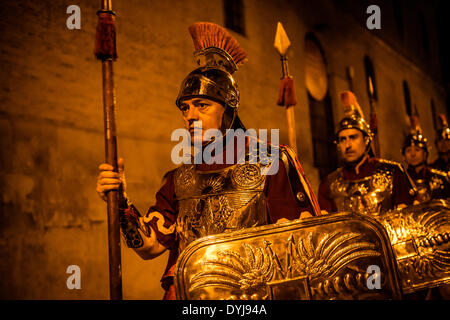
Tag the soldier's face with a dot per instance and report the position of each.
(351, 144)
(200, 109)
(414, 155)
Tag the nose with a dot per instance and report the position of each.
(347, 144)
(192, 114)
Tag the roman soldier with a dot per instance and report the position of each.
(363, 184)
(211, 197)
(442, 163)
(430, 183)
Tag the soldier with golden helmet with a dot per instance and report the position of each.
(430, 183)
(201, 199)
(442, 163)
(363, 184)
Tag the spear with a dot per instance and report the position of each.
(373, 120)
(286, 97)
(105, 50)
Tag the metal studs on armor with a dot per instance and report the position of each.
(301, 196)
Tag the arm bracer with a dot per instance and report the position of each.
(130, 225)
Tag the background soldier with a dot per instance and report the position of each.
(443, 146)
(205, 199)
(430, 183)
(364, 184)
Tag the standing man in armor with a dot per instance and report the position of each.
(364, 184)
(430, 183)
(208, 198)
(442, 163)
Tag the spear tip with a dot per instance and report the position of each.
(371, 86)
(282, 42)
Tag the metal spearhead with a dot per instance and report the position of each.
(282, 42)
(371, 91)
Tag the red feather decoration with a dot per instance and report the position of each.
(207, 34)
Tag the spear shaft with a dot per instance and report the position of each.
(290, 113)
(105, 50)
(373, 120)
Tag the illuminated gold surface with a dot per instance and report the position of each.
(221, 201)
(420, 237)
(370, 195)
(317, 258)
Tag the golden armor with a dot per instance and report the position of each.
(327, 257)
(433, 187)
(420, 237)
(219, 201)
(370, 195)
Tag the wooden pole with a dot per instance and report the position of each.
(105, 50)
(291, 127)
(109, 106)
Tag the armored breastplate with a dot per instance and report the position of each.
(432, 187)
(220, 201)
(370, 195)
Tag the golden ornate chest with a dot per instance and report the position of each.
(219, 201)
(327, 257)
(370, 195)
(420, 237)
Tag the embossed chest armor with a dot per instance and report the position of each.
(371, 195)
(433, 186)
(211, 202)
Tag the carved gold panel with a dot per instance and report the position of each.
(420, 238)
(324, 257)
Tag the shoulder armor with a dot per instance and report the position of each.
(442, 174)
(284, 157)
(439, 172)
(394, 165)
(390, 163)
(293, 177)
